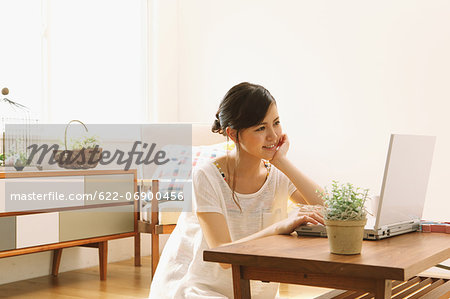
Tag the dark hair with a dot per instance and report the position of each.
(245, 105)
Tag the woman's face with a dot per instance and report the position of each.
(261, 141)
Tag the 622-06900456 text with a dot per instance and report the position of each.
(102, 196)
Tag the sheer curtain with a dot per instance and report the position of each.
(95, 61)
(76, 59)
(20, 54)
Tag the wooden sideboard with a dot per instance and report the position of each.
(89, 222)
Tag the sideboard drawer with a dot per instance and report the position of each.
(39, 193)
(96, 222)
(2, 196)
(109, 188)
(37, 229)
(7, 233)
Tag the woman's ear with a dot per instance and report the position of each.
(231, 133)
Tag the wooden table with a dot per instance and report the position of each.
(307, 261)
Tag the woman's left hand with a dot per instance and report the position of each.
(282, 149)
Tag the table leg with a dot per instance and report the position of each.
(155, 251)
(383, 289)
(241, 287)
(137, 249)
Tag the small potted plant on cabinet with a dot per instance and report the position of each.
(18, 160)
(345, 217)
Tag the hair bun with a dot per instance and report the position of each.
(216, 127)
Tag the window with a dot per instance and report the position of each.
(76, 59)
(21, 53)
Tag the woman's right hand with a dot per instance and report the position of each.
(288, 225)
(281, 151)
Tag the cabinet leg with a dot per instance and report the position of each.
(103, 258)
(56, 261)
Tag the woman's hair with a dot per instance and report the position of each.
(245, 105)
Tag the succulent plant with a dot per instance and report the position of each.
(83, 142)
(344, 202)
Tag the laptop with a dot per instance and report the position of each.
(403, 191)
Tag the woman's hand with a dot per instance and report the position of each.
(288, 225)
(282, 149)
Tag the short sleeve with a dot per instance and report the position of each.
(205, 198)
(291, 188)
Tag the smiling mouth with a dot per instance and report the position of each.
(269, 147)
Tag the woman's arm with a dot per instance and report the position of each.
(297, 197)
(306, 188)
(215, 228)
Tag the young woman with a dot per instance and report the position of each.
(237, 197)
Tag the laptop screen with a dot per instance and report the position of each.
(405, 181)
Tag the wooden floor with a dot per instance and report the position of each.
(123, 281)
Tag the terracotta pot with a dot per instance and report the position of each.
(345, 237)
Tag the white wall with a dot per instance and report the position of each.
(345, 74)
(163, 79)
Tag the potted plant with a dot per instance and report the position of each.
(83, 153)
(345, 217)
(16, 159)
(84, 142)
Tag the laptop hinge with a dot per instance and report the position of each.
(395, 229)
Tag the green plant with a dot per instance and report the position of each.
(18, 159)
(83, 142)
(87, 142)
(344, 202)
(2, 159)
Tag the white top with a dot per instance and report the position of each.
(181, 272)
